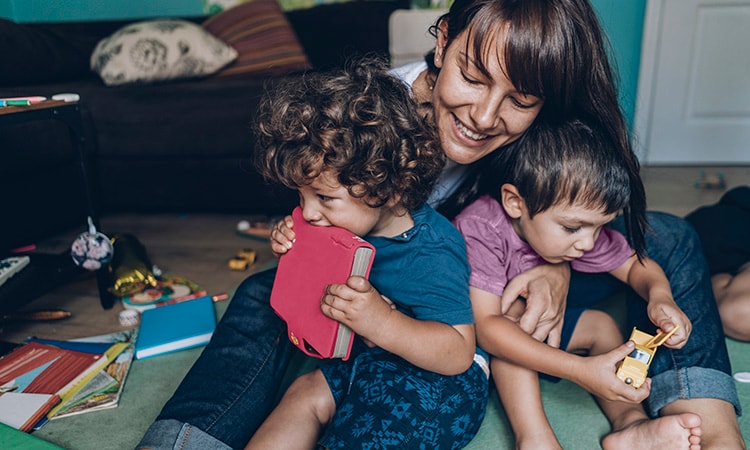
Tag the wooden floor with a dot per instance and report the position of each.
(197, 247)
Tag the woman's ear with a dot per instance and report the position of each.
(441, 43)
(513, 203)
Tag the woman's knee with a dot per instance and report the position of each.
(670, 235)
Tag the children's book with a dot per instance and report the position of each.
(23, 410)
(35, 377)
(320, 256)
(78, 383)
(169, 288)
(175, 327)
(104, 390)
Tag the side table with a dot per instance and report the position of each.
(70, 115)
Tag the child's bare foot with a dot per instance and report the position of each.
(682, 431)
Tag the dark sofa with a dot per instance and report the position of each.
(181, 146)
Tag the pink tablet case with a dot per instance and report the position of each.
(320, 256)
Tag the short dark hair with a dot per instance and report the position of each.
(358, 121)
(566, 163)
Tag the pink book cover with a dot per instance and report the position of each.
(320, 256)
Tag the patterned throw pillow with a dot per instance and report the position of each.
(263, 38)
(159, 50)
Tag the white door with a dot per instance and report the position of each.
(694, 85)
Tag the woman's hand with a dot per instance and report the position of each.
(598, 375)
(282, 236)
(545, 289)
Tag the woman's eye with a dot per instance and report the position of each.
(469, 79)
(523, 104)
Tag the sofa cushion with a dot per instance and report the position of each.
(264, 40)
(159, 50)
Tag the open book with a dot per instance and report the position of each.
(320, 256)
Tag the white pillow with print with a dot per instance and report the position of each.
(159, 50)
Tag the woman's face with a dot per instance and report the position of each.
(476, 114)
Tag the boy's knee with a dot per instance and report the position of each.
(597, 332)
(311, 391)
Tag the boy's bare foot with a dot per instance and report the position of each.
(682, 431)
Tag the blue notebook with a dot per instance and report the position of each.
(175, 327)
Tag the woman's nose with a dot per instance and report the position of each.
(487, 112)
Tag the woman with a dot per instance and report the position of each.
(553, 52)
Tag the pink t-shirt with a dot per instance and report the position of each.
(497, 254)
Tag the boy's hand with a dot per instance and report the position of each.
(358, 305)
(282, 236)
(665, 314)
(598, 375)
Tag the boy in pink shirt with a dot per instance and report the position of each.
(553, 192)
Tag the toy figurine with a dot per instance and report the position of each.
(634, 368)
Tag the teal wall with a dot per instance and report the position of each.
(622, 20)
(72, 10)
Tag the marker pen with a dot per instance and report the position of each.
(33, 99)
(21, 101)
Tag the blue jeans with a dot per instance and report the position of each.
(232, 387)
(701, 368)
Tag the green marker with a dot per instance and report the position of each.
(15, 103)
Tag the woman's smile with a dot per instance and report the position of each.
(463, 129)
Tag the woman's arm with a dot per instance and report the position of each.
(431, 345)
(545, 289)
(649, 281)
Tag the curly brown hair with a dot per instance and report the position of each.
(361, 123)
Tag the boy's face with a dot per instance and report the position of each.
(325, 202)
(562, 232)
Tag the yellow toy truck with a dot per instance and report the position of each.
(634, 368)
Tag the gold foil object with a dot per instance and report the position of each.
(130, 269)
